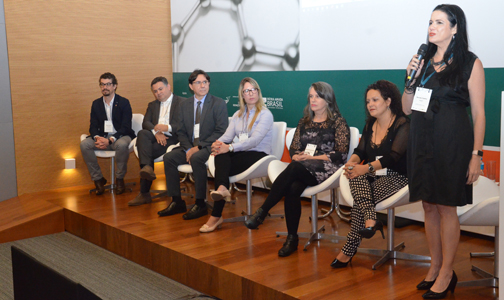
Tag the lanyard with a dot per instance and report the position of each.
(245, 121)
(424, 80)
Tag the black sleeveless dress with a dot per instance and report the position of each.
(440, 144)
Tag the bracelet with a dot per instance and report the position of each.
(478, 152)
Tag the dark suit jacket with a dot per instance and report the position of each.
(213, 122)
(151, 117)
(121, 118)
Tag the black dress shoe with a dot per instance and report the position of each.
(120, 186)
(256, 219)
(451, 287)
(100, 186)
(425, 285)
(337, 264)
(290, 246)
(172, 209)
(196, 212)
(369, 232)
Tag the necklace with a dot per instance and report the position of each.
(436, 63)
(376, 129)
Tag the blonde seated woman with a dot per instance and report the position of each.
(252, 125)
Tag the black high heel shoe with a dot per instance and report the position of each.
(369, 232)
(425, 285)
(451, 287)
(337, 264)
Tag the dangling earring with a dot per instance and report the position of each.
(453, 37)
(388, 107)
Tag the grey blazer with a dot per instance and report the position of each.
(151, 117)
(213, 122)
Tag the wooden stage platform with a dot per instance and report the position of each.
(233, 262)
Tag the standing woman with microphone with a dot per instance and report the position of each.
(444, 149)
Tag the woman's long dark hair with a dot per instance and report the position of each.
(325, 91)
(452, 75)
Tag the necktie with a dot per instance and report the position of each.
(197, 120)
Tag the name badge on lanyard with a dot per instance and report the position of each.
(381, 172)
(108, 126)
(423, 95)
(243, 137)
(310, 149)
(196, 131)
(421, 99)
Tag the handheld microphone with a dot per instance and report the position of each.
(421, 53)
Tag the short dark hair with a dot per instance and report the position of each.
(387, 90)
(108, 75)
(159, 79)
(195, 74)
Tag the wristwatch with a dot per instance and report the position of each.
(478, 152)
(371, 168)
(231, 148)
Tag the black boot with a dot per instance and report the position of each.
(290, 245)
(256, 219)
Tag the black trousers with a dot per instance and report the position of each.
(148, 150)
(230, 164)
(290, 184)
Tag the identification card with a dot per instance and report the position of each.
(421, 99)
(381, 172)
(108, 126)
(196, 131)
(310, 149)
(243, 137)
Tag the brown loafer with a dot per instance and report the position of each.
(141, 198)
(120, 186)
(147, 173)
(100, 186)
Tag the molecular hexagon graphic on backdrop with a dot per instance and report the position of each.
(286, 58)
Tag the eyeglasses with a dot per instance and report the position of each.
(250, 91)
(201, 82)
(108, 84)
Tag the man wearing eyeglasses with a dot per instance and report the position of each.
(158, 133)
(203, 119)
(110, 129)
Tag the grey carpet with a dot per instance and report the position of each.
(107, 275)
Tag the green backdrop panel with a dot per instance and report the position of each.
(286, 92)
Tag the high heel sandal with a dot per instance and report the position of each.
(425, 285)
(337, 264)
(451, 287)
(369, 232)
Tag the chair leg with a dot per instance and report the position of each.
(110, 187)
(316, 233)
(335, 206)
(392, 251)
(245, 214)
(489, 279)
(235, 187)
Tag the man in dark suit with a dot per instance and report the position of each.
(158, 133)
(203, 119)
(110, 129)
